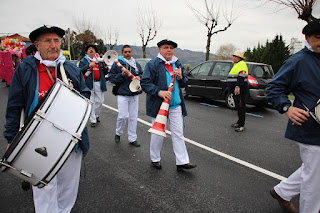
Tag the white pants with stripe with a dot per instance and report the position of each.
(60, 195)
(97, 98)
(128, 107)
(304, 181)
(175, 121)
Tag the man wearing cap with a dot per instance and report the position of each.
(94, 74)
(155, 81)
(300, 75)
(30, 82)
(237, 85)
(128, 101)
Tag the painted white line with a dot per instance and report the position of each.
(229, 157)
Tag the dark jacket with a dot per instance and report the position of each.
(22, 92)
(299, 75)
(84, 66)
(116, 77)
(154, 79)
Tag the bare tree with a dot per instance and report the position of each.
(111, 37)
(148, 27)
(82, 24)
(87, 33)
(304, 8)
(210, 19)
(225, 52)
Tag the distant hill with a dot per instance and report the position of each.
(187, 57)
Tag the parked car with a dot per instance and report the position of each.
(143, 61)
(209, 80)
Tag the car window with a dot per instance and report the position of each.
(205, 68)
(221, 69)
(262, 72)
(195, 70)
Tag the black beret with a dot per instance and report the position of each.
(93, 46)
(165, 41)
(312, 28)
(46, 29)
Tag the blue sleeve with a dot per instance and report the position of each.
(140, 70)
(148, 79)
(14, 105)
(115, 74)
(83, 66)
(278, 89)
(184, 81)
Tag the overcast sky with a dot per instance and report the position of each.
(256, 22)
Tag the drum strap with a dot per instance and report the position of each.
(316, 108)
(50, 76)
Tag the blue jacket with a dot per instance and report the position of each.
(300, 74)
(116, 77)
(22, 92)
(154, 79)
(84, 66)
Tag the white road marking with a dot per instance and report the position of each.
(229, 157)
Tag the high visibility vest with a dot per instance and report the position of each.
(238, 69)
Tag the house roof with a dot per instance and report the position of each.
(16, 36)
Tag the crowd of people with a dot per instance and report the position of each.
(162, 80)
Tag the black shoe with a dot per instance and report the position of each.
(235, 125)
(239, 129)
(135, 143)
(117, 138)
(93, 124)
(25, 185)
(185, 166)
(98, 119)
(156, 165)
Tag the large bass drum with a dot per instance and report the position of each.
(48, 136)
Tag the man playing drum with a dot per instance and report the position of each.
(300, 75)
(30, 82)
(155, 81)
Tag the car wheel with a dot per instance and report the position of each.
(230, 101)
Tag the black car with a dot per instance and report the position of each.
(143, 61)
(209, 80)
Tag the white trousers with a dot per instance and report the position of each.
(128, 107)
(60, 195)
(175, 121)
(304, 181)
(97, 98)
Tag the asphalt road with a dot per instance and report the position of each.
(235, 170)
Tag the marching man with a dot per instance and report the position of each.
(128, 101)
(94, 73)
(155, 81)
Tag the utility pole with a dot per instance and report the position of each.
(69, 39)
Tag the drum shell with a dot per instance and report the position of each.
(55, 126)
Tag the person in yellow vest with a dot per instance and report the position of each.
(238, 86)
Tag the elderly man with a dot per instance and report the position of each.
(31, 80)
(238, 86)
(155, 81)
(300, 75)
(94, 73)
(128, 101)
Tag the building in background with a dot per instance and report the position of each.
(295, 45)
